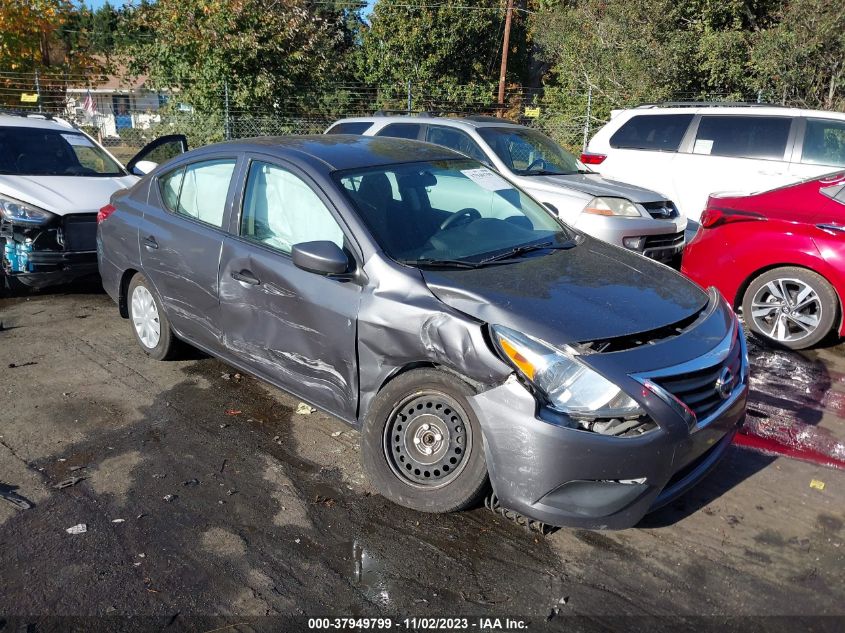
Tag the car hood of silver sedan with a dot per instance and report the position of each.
(595, 185)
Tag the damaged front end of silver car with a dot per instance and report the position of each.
(40, 248)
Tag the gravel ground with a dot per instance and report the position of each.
(210, 503)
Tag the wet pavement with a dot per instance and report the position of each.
(208, 503)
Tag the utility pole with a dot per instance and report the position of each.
(38, 90)
(505, 46)
(227, 133)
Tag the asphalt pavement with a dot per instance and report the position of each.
(209, 503)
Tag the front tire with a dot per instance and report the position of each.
(421, 443)
(148, 321)
(791, 306)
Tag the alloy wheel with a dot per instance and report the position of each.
(145, 317)
(786, 309)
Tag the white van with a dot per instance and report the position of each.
(689, 150)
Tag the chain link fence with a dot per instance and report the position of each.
(124, 115)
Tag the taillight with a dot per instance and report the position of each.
(717, 217)
(592, 159)
(105, 212)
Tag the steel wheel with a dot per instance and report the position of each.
(786, 310)
(145, 317)
(427, 439)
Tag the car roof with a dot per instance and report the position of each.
(339, 151)
(34, 120)
(736, 109)
(449, 121)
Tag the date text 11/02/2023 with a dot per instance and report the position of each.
(414, 624)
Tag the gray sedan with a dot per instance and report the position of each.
(474, 341)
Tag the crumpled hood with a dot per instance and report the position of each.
(591, 292)
(64, 195)
(595, 185)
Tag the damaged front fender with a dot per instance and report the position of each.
(401, 324)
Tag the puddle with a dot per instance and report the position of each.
(791, 393)
(366, 573)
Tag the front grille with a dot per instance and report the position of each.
(663, 210)
(700, 390)
(666, 240)
(79, 232)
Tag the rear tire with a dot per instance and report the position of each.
(421, 443)
(790, 306)
(148, 321)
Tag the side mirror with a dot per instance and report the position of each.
(322, 257)
(143, 167)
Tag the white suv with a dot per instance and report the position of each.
(689, 151)
(632, 217)
(54, 179)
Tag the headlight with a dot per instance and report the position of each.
(23, 213)
(612, 206)
(569, 385)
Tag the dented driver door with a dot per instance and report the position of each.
(296, 328)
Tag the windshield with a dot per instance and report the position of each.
(454, 211)
(528, 152)
(31, 151)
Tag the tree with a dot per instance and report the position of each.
(41, 36)
(634, 51)
(440, 47)
(271, 54)
(801, 59)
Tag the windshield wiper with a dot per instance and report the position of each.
(547, 172)
(440, 263)
(527, 248)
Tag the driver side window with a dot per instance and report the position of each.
(457, 140)
(281, 210)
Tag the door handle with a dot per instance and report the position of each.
(246, 276)
(150, 242)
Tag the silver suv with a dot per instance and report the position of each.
(632, 217)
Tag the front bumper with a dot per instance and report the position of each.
(662, 240)
(544, 467)
(54, 268)
(61, 251)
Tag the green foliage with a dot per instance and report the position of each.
(441, 48)
(269, 55)
(635, 51)
(801, 59)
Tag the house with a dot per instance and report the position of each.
(117, 104)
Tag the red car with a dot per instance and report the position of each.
(780, 256)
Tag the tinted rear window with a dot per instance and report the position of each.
(401, 130)
(824, 143)
(352, 127)
(662, 132)
(742, 136)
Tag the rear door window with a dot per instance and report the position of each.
(350, 127)
(660, 132)
(204, 189)
(743, 136)
(455, 139)
(401, 130)
(824, 143)
(170, 185)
